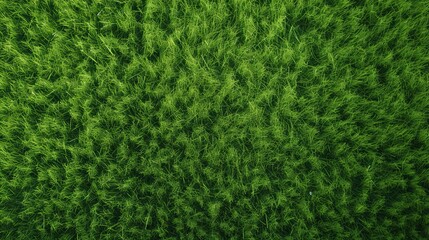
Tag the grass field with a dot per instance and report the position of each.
(222, 119)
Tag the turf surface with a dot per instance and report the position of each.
(226, 119)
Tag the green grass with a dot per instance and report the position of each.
(226, 119)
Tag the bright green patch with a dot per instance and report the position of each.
(226, 119)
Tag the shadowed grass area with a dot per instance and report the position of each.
(226, 119)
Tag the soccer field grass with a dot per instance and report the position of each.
(222, 119)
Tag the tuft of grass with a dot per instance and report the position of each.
(239, 119)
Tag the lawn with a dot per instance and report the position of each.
(214, 119)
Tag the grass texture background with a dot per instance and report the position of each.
(226, 119)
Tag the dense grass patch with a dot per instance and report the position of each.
(226, 119)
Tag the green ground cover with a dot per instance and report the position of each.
(223, 119)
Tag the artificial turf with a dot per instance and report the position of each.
(226, 119)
